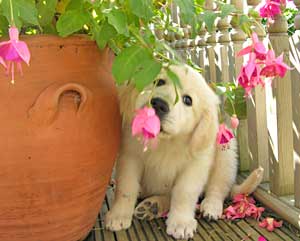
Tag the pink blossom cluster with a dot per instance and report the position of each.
(271, 8)
(243, 206)
(262, 64)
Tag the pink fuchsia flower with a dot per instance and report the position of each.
(261, 238)
(147, 124)
(257, 47)
(270, 9)
(2, 62)
(14, 51)
(274, 66)
(234, 122)
(270, 224)
(164, 214)
(224, 135)
(249, 76)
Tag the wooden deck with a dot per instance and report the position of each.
(221, 230)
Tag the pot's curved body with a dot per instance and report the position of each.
(59, 136)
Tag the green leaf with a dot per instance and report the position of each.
(103, 34)
(118, 19)
(128, 62)
(245, 24)
(187, 10)
(253, 13)
(237, 96)
(23, 11)
(49, 29)
(3, 25)
(227, 9)
(209, 18)
(141, 8)
(71, 21)
(46, 11)
(75, 4)
(7, 13)
(174, 78)
(147, 72)
(176, 82)
(26, 11)
(220, 90)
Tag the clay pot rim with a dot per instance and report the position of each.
(55, 40)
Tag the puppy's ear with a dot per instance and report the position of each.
(127, 97)
(205, 132)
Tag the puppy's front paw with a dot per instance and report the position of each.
(180, 227)
(116, 221)
(212, 208)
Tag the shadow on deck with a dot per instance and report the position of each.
(221, 230)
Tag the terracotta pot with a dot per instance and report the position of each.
(59, 136)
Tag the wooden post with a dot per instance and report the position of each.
(282, 168)
(211, 43)
(297, 18)
(223, 40)
(202, 49)
(295, 76)
(175, 13)
(257, 118)
(238, 37)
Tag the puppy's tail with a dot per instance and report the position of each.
(249, 184)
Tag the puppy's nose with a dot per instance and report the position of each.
(160, 106)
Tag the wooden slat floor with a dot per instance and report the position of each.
(207, 231)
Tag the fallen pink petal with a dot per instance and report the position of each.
(261, 238)
(270, 224)
(14, 51)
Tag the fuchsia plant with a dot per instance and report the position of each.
(14, 51)
(261, 63)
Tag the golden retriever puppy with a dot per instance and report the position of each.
(186, 162)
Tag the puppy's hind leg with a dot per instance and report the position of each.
(220, 182)
(152, 207)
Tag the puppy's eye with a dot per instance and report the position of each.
(160, 82)
(187, 100)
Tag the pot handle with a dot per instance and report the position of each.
(45, 108)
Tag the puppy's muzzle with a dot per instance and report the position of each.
(160, 106)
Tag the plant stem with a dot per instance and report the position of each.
(11, 13)
(232, 105)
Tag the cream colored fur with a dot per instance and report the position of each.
(186, 162)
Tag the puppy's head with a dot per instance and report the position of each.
(194, 114)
